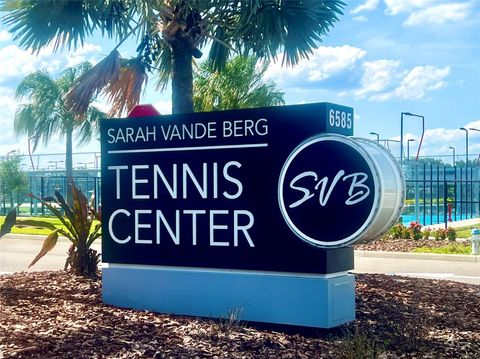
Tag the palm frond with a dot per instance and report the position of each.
(124, 94)
(90, 125)
(38, 85)
(69, 76)
(164, 65)
(239, 85)
(295, 26)
(38, 23)
(24, 121)
(92, 82)
(219, 52)
(65, 23)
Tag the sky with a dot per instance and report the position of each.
(382, 58)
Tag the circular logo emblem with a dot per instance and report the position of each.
(327, 191)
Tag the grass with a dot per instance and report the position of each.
(448, 249)
(466, 232)
(35, 225)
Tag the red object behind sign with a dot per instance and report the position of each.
(143, 111)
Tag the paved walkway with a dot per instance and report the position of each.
(17, 251)
(457, 224)
(456, 267)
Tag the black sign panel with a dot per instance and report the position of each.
(205, 189)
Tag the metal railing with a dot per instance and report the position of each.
(439, 194)
(434, 193)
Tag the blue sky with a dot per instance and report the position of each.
(383, 57)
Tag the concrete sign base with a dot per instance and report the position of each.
(313, 300)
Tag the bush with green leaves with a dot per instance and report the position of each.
(451, 233)
(406, 234)
(439, 234)
(427, 231)
(78, 218)
(415, 230)
(14, 180)
(397, 231)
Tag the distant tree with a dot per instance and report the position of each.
(14, 180)
(239, 85)
(431, 161)
(461, 163)
(169, 34)
(46, 114)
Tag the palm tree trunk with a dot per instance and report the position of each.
(69, 163)
(182, 78)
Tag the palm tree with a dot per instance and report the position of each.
(170, 33)
(239, 85)
(45, 113)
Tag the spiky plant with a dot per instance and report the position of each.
(9, 222)
(81, 230)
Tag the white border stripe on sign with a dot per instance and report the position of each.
(199, 148)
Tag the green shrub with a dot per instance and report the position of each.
(451, 233)
(439, 234)
(397, 231)
(80, 228)
(426, 233)
(415, 230)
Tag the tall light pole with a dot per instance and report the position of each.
(466, 145)
(408, 147)
(453, 155)
(476, 129)
(401, 132)
(376, 134)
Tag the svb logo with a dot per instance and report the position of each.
(327, 191)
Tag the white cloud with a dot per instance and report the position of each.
(368, 5)
(420, 80)
(7, 102)
(322, 64)
(360, 18)
(385, 80)
(436, 141)
(5, 35)
(378, 76)
(87, 52)
(17, 62)
(474, 124)
(395, 7)
(8, 140)
(164, 107)
(439, 14)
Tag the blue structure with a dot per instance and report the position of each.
(314, 300)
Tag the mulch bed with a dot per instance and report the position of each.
(58, 315)
(405, 245)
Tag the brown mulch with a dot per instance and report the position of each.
(405, 245)
(58, 315)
